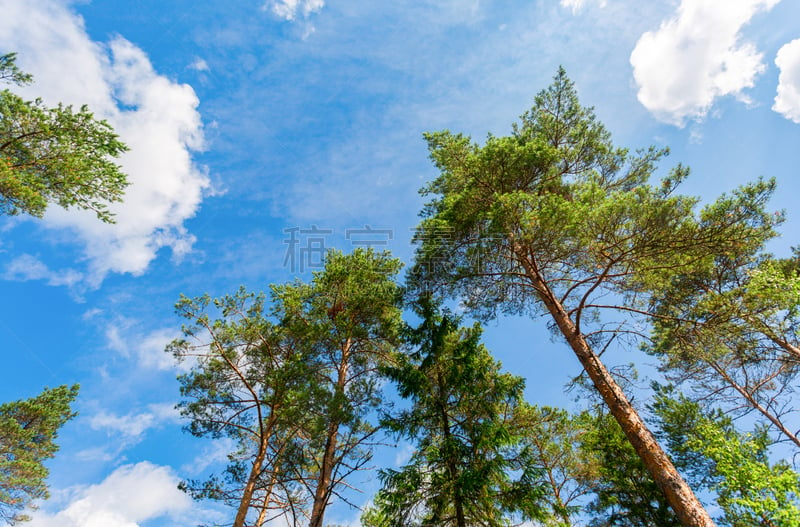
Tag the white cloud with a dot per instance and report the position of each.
(695, 57)
(577, 5)
(215, 453)
(99, 454)
(154, 115)
(199, 65)
(787, 101)
(27, 267)
(130, 428)
(150, 349)
(129, 496)
(290, 9)
(147, 348)
(126, 430)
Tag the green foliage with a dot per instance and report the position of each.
(555, 219)
(750, 490)
(558, 200)
(732, 331)
(54, 155)
(625, 493)
(10, 72)
(47, 155)
(461, 423)
(348, 319)
(354, 297)
(551, 444)
(28, 430)
(251, 382)
(292, 382)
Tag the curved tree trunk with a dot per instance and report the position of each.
(679, 495)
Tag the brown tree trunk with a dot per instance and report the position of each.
(262, 515)
(322, 492)
(250, 487)
(679, 495)
(324, 480)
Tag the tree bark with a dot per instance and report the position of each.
(262, 515)
(250, 487)
(322, 492)
(679, 495)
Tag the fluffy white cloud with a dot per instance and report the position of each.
(290, 9)
(695, 57)
(155, 116)
(129, 496)
(787, 101)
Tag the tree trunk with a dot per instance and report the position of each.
(250, 487)
(679, 495)
(560, 505)
(322, 492)
(262, 515)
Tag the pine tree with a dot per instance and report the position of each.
(28, 430)
(54, 155)
(555, 219)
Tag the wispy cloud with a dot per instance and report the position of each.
(146, 347)
(131, 428)
(124, 430)
(154, 115)
(27, 267)
(695, 57)
(294, 9)
(787, 101)
(577, 5)
(403, 454)
(212, 454)
(199, 65)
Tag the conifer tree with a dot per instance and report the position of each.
(461, 426)
(555, 219)
(54, 155)
(28, 430)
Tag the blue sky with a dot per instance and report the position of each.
(248, 119)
